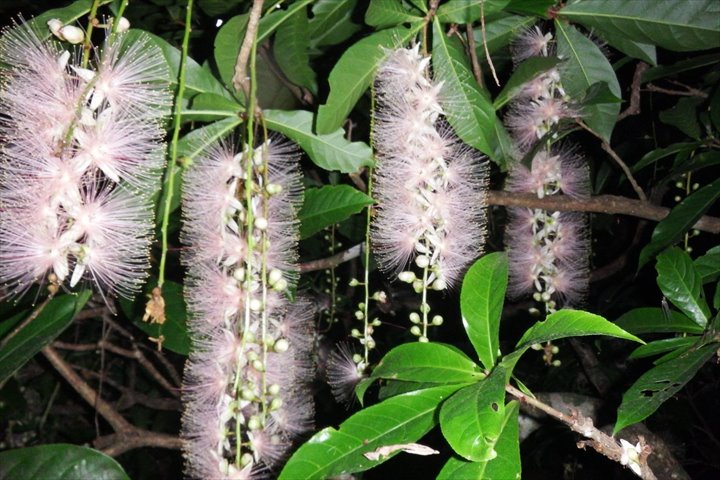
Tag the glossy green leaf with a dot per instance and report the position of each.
(572, 323)
(472, 419)
(193, 144)
(391, 388)
(481, 303)
(331, 151)
(642, 51)
(655, 320)
(585, 65)
(693, 63)
(684, 116)
(401, 419)
(506, 466)
(388, 13)
(499, 33)
(665, 345)
(197, 79)
(681, 284)
(57, 315)
(59, 461)
(660, 153)
(353, 73)
(208, 107)
(538, 8)
(525, 72)
(328, 205)
(428, 363)
(215, 8)
(671, 24)
(468, 108)
(467, 11)
(290, 48)
(680, 219)
(598, 93)
(695, 162)
(175, 327)
(331, 22)
(659, 384)
(503, 147)
(708, 265)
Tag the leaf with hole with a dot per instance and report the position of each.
(659, 384)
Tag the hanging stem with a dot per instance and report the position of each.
(177, 120)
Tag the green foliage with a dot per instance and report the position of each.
(328, 205)
(467, 11)
(59, 462)
(656, 320)
(682, 285)
(54, 318)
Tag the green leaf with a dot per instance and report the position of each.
(67, 15)
(401, 419)
(506, 466)
(467, 11)
(328, 205)
(642, 51)
(681, 284)
(388, 13)
(332, 22)
(59, 461)
(175, 327)
(659, 384)
(57, 315)
(502, 145)
(331, 151)
(654, 320)
(660, 153)
(290, 48)
(586, 65)
(481, 303)
(472, 419)
(597, 93)
(197, 79)
(539, 8)
(208, 107)
(671, 24)
(572, 323)
(695, 62)
(216, 8)
(683, 116)
(196, 141)
(427, 363)
(525, 72)
(695, 162)
(353, 73)
(662, 346)
(468, 110)
(708, 266)
(680, 219)
(499, 33)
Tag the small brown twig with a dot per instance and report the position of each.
(599, 441)
(634, 107)
(333, 261)
(240, 79)
(477, 70)
(484, 37)
(687, 92)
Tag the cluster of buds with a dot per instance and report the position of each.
(247, 379)
(430, 188)
(541, 103)
(80, 161)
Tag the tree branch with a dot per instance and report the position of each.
(634, 107)
(240, 79)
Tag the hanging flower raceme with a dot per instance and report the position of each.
(81, 156)
(548, 251)
(429, 186)
(247, 379)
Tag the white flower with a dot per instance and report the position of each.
(631, 456)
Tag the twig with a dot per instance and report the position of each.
(118, 443)
(477, 71)
(53, 287)
(334, 261)
(610, 204)
(634, 107)
(240, 79)
(599, 441)
(606, 146)
(688, 92)
(484, 36)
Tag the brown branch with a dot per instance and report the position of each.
(240, 80)
(332, 262)
(688, 92)
(118, 443)
(484, 36)
(606, 146)
(634, 107)
(599, 441)
(609, 204)
(477, 71)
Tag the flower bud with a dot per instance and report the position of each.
(55, 25)
(72, 34)
(123, 25)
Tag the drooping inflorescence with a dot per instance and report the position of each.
(81, 155)
(430, 187)
(247, 378)
(547, 250)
